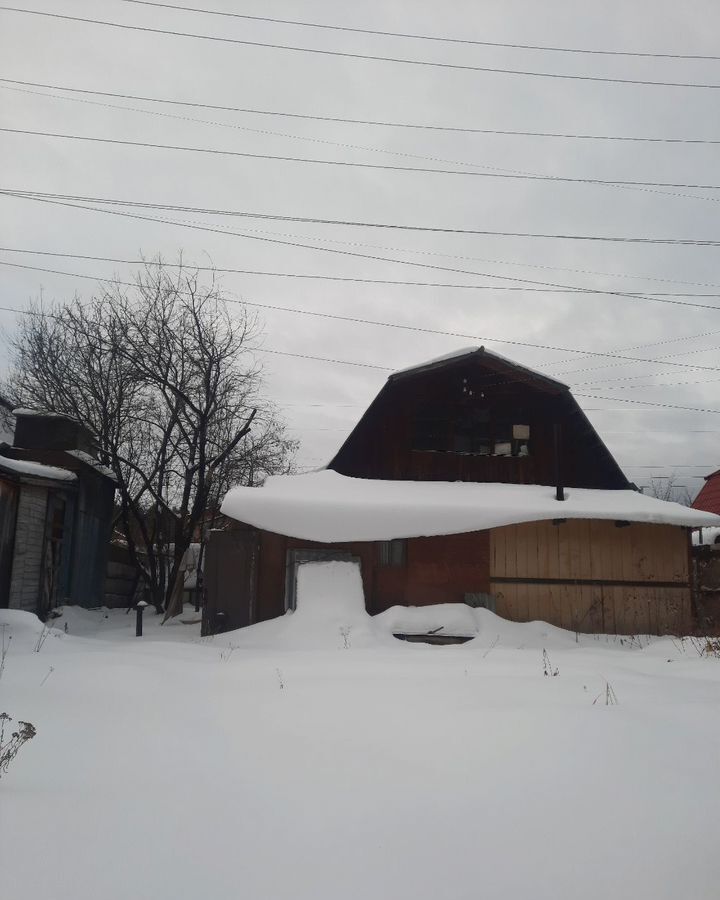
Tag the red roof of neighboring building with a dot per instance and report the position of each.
(709, 497)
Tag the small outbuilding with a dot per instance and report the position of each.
(708, 498)
(469, 479)
(706, 558)
(56, 509)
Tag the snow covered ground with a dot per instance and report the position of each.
(316, 757)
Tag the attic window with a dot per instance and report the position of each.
(472, 433)
(431, 428)
(469, 429)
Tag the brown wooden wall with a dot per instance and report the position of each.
(589, 576)
(592, 576)
(436, 570)
(381, 445)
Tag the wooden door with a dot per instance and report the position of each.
(230, 580)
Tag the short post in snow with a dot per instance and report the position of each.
(139, 610)
(198, 590)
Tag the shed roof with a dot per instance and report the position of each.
(29, 468)
(328, 507)
(480, 353)
(709, 497)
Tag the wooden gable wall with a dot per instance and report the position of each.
(384, 446)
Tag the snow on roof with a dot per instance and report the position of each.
(709, 496)
(469, 351)
(710, 536)
(91, 461)
(39, 413)
(446, 357)
(328, 507)
(36, 469)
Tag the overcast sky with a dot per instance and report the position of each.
(322, 400)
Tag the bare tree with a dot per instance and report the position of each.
(669, 489)
(162, 373)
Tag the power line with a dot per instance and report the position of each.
(673, 466)
(362, 56)
(345, 362)
(650, 403)
(665, 431)
(414, 328)
(368, 122)
(366, 256)
(263, 131)
(423, 37)
(41, 195)
(392, 226)
(639, 387)
(345, 278)
(26, 194)
(565, 179)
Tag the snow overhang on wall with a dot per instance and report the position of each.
(327, 507)
(32, 469)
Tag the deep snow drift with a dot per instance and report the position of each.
(317, 758)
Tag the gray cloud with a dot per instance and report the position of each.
(85, 56)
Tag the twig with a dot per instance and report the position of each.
(4, 647)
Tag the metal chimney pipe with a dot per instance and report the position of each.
(559, 489)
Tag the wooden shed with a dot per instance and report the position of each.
(708, 498)
(56, 507)
(469, 479)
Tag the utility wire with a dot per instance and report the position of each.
(380, 323)
(366, 256)
(42, 195)
(354, 223)
(325, 142)
(361, 56)
(262, 131)
(423, 37)
(368, 122)
(344, 278)
(715, 412)
(345, 362)
(565, 179)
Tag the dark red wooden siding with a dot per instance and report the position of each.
(709, 497)
(381, 445)
(435, 570)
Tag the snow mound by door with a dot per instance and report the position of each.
(330, 613)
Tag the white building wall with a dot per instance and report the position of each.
(29, 536)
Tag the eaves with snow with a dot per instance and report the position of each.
(327, 507)
(31, 469)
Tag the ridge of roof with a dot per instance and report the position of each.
(466, 353)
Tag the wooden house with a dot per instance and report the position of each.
(706, 559)
(708, 498)
(56, 507)
(469, 479)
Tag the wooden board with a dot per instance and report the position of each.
(594, 576)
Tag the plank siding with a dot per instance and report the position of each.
(382, 446)
(645, 562)
(25, 583)
(588, 576)
(435, 570)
